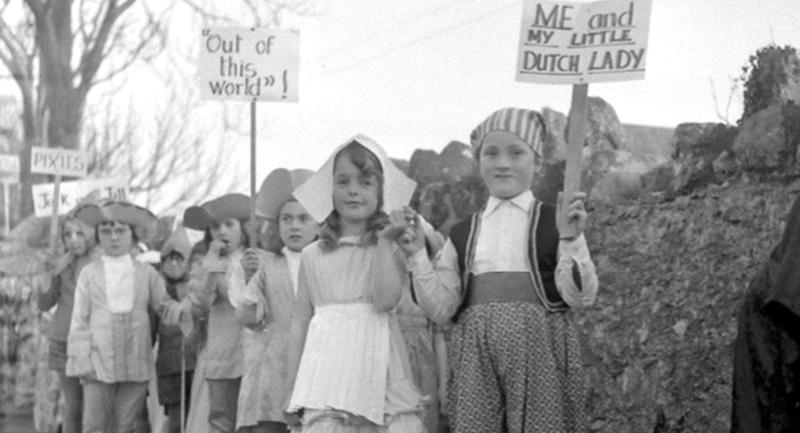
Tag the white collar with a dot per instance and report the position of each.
(522, 201)
(118, 260)
(289, 253)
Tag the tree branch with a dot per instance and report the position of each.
(93, 55)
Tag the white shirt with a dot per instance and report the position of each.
(293, 259)
(501, 247)
(118, 272)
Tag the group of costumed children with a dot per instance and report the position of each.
(334, 324)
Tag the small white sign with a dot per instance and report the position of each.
(46, 160)
(573, 43)
(72, 192)
(244, 63)
(9, 168)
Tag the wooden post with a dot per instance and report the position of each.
(252, 226)
(54, 215)
(6, 212)
(575, 139)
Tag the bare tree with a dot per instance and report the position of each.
(54, 50)
(723, 114)
(170, 161)
(57, 51)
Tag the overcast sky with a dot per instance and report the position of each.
(419, 73)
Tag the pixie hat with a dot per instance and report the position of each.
(316, 194)
(528, 125)
(210, 213)
(178, 242)
(277, 189)
(121, 211)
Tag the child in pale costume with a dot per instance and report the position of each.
(511, 280)
(109, 343)
(79, 242)
(221, 269)
(267, 302)
(353, 375)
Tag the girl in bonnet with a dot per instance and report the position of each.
(353, 375)
(109, 343)
(512, 281)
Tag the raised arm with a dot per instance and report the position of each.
(50, 294)
(169, 310)
(252, 309)
(79, 341)
(576, 277)
(436, 284)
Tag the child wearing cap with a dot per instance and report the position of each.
(223, 351)
(176, 355)
(109, 343)
(512, 283)
(267, 302)
(351, 367)
(78, 241)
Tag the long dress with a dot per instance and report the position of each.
(265, 383)
(354, 374)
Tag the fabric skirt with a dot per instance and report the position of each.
(354, 361)
(265, 387)
(516, 368)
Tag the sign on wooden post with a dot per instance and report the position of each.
(47, 160)
(243, 63)
(250, 64)
(71, 192)
(581, 43)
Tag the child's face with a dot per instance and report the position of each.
(230, 233)
(174, 266)
(355, 197)
(195, 261)
(506, 164)
(115, 238)
(297, 228)
(213, 231)
(75, 239)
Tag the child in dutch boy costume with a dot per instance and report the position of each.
(220, 271)
(354, 374)
(266, 304)
(512, 286)
(109, 343)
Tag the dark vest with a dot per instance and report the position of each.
(542, 253)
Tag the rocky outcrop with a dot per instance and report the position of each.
(768, 139)
(696, 146)
(672, 278)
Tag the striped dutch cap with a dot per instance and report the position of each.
(528, 125)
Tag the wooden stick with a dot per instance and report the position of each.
(251, 229)
(183, 383)
(575, 137)
(6, 211)
(54, 215)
